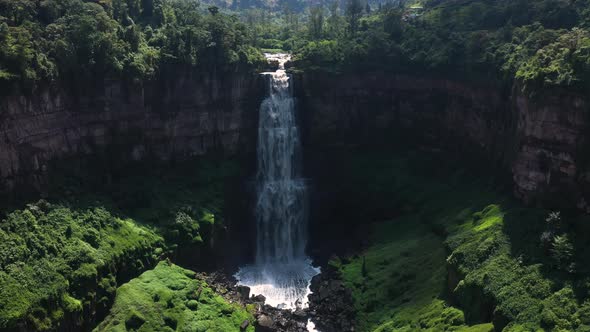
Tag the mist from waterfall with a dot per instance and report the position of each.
(282, 271)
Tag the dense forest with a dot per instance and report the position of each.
(46, 40)
(536, 42)
(444, 164)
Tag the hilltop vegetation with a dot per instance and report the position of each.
(540, 42)
(78, 40)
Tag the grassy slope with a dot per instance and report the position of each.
(494, 249)
(52, 255)
(167, 298)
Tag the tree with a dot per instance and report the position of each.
(17, 52)
(392, 23)
(147, 9)
(563, 253)
(354, 11)
(17, 11)
(316, 22)
(214, 10)
(334, 22)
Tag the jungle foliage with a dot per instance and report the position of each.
(63, 261)
(130, 39)
(57, 261)
(539, 42)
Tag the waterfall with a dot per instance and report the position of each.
(282, 271)
(282, 196)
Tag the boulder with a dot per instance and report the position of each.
(244, 325)
(265, 324)
(243, 292)
(258, 299)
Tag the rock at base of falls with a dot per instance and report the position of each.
(330, 303)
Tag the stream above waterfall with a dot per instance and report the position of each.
(281, 272)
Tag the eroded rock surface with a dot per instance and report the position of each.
(182, 115)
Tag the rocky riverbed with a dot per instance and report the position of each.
(330, 305)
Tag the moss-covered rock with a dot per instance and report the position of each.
(163, 299)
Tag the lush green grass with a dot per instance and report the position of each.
(404, 274)
(459, 240)
(58, 261)
(61, 262)
(169, 298)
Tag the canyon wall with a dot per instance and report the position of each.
(541, 141)
(181, 114)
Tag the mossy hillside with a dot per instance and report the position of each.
(508, 263)
(169, 298)
(397, 282)
(57, 262)
(133, 207)
(460, 240)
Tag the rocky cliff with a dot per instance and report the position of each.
(181, 114)
(541, 141)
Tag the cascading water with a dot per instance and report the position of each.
(282, 271)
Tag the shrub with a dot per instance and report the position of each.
(563, 253)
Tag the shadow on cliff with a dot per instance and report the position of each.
(158, 194)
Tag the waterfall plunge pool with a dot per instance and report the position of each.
(285, 286)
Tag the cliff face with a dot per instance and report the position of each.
(183, 114)
(542, 141)
(552, 160)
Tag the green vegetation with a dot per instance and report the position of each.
(540, 42)
(78, 40)
(458, 254)
(184, 201)
(404, 276)
(461, 255)
(65, 260)
(169, 298)
(59, 261)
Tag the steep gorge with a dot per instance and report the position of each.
(538, 141)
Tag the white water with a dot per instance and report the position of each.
(311, 327)
(282, 272)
